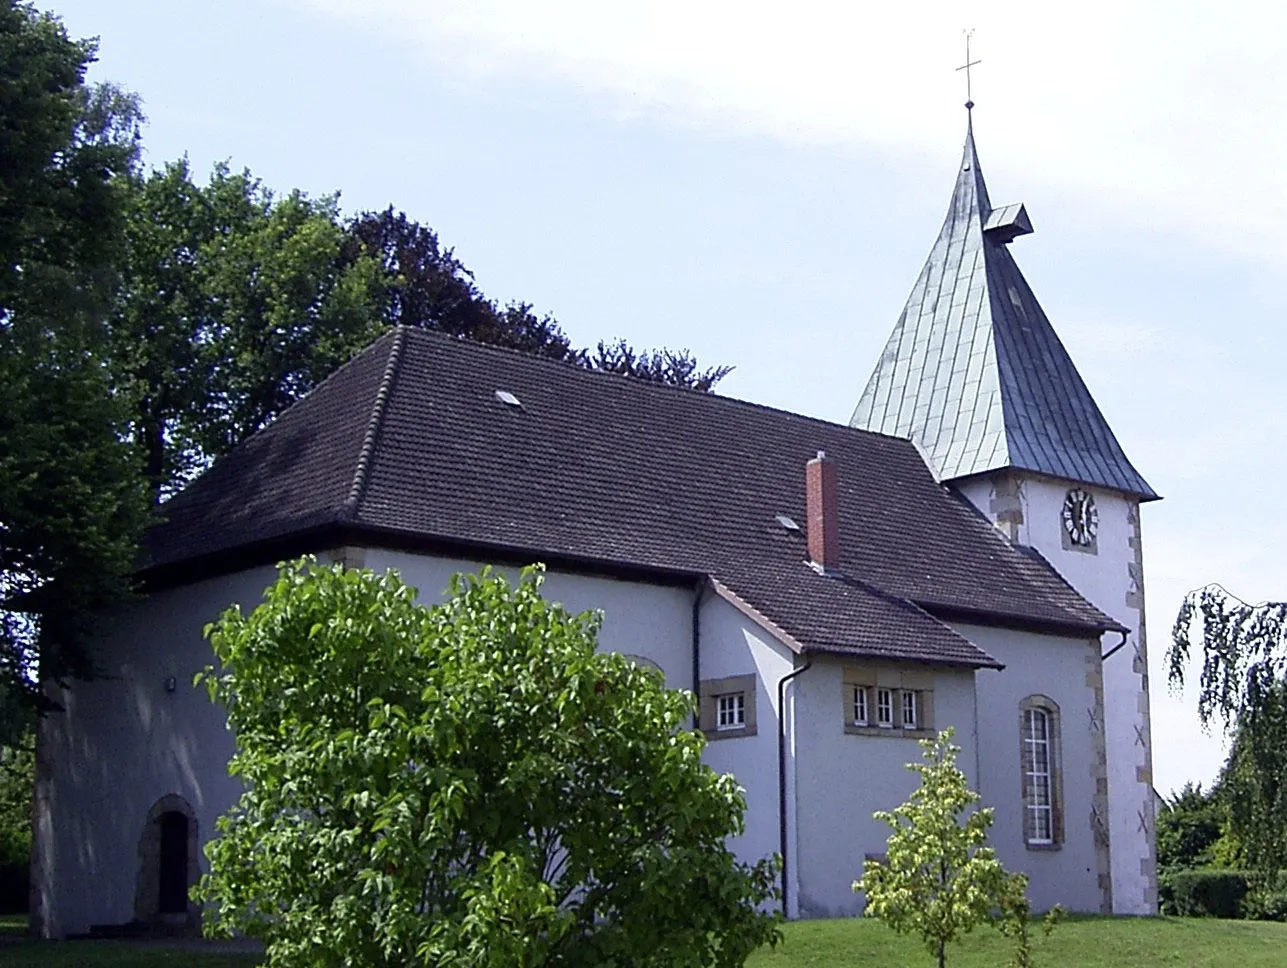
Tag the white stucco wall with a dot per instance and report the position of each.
(124, 743)
(1111, 578)
(731, 645)
(653, 621)
(842, 779)
(1056, 668)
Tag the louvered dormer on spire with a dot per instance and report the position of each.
(974, 372)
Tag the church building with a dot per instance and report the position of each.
(964, 552)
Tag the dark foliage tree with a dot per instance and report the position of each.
(70, 502)
(673, 367)
(1242, 687)
(430, 288)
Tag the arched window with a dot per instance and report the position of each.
(1039, 765)
(642, 661)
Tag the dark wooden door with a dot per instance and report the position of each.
(173, 897)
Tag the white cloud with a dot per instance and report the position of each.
(1162, 113)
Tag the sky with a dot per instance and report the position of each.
(761, 183)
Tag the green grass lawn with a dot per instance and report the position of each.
(1081, 943)
(1078, 943)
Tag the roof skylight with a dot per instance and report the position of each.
(787, 522)
(507, 398)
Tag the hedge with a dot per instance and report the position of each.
(1203, 893)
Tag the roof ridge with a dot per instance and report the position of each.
(635, 382)
(348, 510)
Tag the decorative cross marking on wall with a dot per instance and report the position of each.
(1094, 719)
(1139, 736)
(969, 91)
(1144, 823)
(1098, 825)
(1138, 664)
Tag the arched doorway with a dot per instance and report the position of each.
(167, 866)
(172, 864)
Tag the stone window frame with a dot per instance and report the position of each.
(874, 677)
(1054, 728)
(708, 718)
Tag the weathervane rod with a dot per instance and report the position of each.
(969, 92)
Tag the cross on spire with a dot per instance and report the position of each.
(969, 93)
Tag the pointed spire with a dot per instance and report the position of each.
(974, 372)
(969, 182)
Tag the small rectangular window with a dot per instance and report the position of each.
(884, 707)
(731, 711)
(860, 705)
(909, 710)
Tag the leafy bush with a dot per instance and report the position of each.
(468, 784)
(1203, 893)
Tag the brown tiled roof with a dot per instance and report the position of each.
(410, 442)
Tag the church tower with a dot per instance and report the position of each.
(975, 375)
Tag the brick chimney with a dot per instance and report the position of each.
(822, 511)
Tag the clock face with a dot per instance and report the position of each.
(1081, 517)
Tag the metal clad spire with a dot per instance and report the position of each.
(974, 372)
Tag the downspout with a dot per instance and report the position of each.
(699, 593)
(1117, 648)
(782, 784)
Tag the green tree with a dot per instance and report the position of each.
(1243, 688)
(17, 781)
(236, 302)
(71, 506)
(468, 784)
(1189, 826)
(938, 879)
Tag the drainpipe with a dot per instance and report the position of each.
(1117, 648)
(699, 593)
(782, 784)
